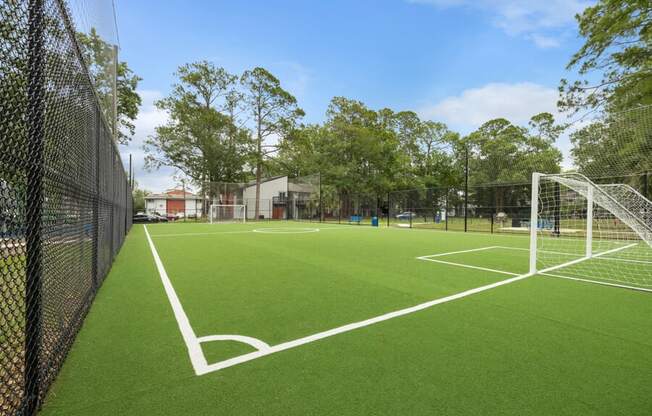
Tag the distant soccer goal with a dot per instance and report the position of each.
(600, 233)
(227, 213)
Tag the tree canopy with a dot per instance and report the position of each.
(615, 61)
(101, 59)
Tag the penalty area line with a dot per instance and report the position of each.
(193, 343)
(356, 325)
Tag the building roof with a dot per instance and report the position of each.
(263, 180)
(174, 194)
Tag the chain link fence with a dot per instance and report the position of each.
(495, 208)
(65, 203)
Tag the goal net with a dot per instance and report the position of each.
(228, 213)
(581, 230)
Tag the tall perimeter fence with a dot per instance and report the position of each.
(492, 208)
(495, 208)
(65, 202)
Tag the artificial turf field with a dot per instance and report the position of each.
(537, 345)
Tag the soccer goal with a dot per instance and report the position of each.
(228, 213)
(600, 233)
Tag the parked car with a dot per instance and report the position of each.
(161, 218)
(406, 215)
(141, 218)
(144, 218)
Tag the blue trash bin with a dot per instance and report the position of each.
(374, 221)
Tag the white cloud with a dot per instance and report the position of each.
(542, 21)
(149, 117)
(545, 42)
(515, 102)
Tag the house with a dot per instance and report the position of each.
(174, 202)
(280, 197)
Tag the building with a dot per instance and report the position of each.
(174, 203)
(271, 190)
(280, 198)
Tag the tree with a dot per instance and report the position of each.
(502, 153)
(617, 146)
(100, 57)
(274, 112)
(617, 53)
(139, 199)
(199, 140)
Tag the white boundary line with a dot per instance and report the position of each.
(457, 252)
(193, 343)
(289, 230)
(257, 230)
(598, 282)
(201, 366)
(468, 266)
(596, 256)
(195, 234)
(488, 234)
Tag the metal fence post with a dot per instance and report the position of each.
(339, 210)
(466, 185)
(34, 205)
(388, 207)
(321, 206)
(96, 213)
(446, 209)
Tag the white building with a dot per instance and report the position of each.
(174, 203)
(273, 192)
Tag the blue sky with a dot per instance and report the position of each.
(457, 61)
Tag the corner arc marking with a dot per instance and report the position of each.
(254, 342)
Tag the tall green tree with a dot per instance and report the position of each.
(274, 113)
(615, 61)
(101, 58)
(503, 153)
(200, 140)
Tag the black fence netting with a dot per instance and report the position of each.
(494, 208)
(65, 204)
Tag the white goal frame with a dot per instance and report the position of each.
(589, 194)
(235, 207)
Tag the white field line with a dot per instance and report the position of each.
(625, 260)
(245, 232)
(546, 272)
(598, 282)
(350, 327)
(468, 266)
(457, 252)
(195, 234)
(598, 255)
(193, 343)
(496, 234)
(570, 263)
(254, 342)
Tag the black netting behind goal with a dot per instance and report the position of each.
(65, 202)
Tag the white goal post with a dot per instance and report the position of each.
(220, 213)
(599, 233)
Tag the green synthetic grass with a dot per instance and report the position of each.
(537, 346)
